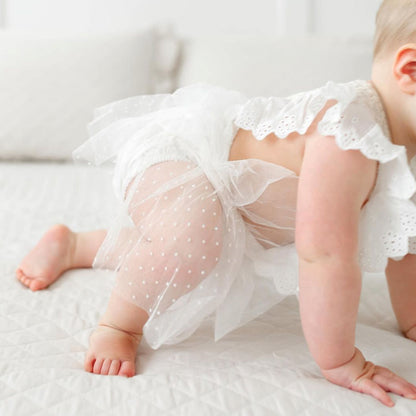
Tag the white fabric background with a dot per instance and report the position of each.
(275, 66)
(197, 17)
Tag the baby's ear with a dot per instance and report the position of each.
(404, 68)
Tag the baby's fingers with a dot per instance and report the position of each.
(368, 386)
(392, 382)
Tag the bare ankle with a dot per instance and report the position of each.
(77, 255)
(124, 315)
(137, 336)
(85, 247)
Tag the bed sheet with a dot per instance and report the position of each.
(263, 368)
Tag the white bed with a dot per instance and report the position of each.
(263, 368)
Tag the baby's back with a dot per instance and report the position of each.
(277, 204)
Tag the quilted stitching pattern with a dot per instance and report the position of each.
(261, 369)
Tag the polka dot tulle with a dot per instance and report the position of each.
(176, 249)
(182, 249)
(198, 235)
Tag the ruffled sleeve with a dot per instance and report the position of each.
(357, 121)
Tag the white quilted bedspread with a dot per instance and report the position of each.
(263, 368)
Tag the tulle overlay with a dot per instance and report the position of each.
(180, 246)
(198, 234)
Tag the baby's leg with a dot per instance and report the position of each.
(180, 243)
(58, 250)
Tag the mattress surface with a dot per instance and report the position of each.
(263, 368)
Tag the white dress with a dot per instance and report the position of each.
(195, 236)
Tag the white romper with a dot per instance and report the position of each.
(180, 244)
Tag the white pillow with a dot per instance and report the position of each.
(49, 87)
(275, 66)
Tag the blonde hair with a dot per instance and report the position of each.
(395, 25)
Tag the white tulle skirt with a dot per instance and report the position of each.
(190, 240)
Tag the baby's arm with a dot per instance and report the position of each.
(401, 278)
(333, 186)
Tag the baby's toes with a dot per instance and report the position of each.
(127, 369)
(22, 277)
(98, 365)
(106, 366)
(89, 363)
(19, 273)
(30, 282)
(114, 368)
(37, 284)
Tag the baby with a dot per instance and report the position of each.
(229, 204)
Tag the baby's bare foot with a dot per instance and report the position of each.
(112, 352)
(48, 259)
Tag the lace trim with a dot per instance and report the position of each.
(283, 116)
(357, 121)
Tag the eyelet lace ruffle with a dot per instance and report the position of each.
(357, 121)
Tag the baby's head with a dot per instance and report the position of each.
(394, 63)
(395, 26)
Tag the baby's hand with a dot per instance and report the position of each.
(365, 377)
